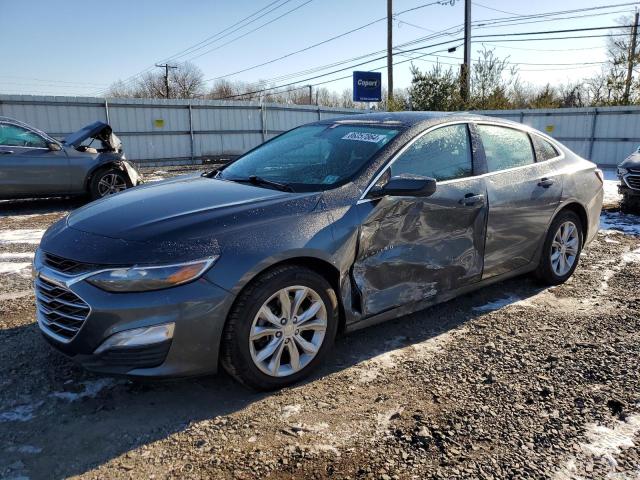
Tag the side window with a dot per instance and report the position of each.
(505, 147)
(14, 136)
(544, 150)
(443, 154)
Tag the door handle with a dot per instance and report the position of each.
(546, 182)
(471, 199)
(6, 152)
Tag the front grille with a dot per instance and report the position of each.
(61, 312)
(70, 267)
(633, 181)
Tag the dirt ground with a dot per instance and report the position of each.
(512, 381)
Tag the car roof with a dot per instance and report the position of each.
(414, 119)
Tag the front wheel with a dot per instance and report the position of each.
(280, 328)
(107, 182)
(561, 249)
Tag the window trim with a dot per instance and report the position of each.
(470, 123)
(45, 140)
(546, 139)
(508, 127)
(469, 143)
(408, 145)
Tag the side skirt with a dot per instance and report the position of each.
(440, 298)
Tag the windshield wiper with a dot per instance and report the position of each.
(255, 180)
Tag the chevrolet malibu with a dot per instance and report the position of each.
(324, 229)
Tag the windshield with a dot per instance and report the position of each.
(314, 157)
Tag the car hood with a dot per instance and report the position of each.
(632, 161)
(181, 218)
(99, 130)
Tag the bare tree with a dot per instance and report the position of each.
(187, 81)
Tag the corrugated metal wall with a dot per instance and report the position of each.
(183, 131)
(167, 131)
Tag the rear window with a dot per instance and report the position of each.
(505, 147)
(544, 149)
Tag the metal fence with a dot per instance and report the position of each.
(188, 131)
(168, 131)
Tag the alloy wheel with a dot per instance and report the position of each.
(288, 331)
(565, 248)
(111, 183)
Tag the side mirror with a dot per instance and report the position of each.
(407, 186)
(54, 147)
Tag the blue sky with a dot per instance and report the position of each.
(79, 47)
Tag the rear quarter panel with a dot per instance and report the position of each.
(581, 185)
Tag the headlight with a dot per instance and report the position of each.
(622, 171)
(142, 279)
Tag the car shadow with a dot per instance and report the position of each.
(40, 206)
(59, 420)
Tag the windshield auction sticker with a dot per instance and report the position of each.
(364, 137)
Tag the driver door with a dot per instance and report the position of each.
(414, 248)
(27, 166)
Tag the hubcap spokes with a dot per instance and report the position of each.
(110, 184)
(288, 331)
(564, 248)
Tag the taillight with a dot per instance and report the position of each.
(600, 175)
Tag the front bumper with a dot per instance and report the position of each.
(198, 310)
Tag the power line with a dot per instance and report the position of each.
(212, 39)
(306, 80)
(323, 42)
(250, 31)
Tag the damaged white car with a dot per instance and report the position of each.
(90, 162)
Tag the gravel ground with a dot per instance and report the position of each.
(512, 381)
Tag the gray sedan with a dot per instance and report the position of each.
(324, 229)
(88, 162)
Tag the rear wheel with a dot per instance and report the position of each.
(561, 249)
(108, 182)
(280, 329)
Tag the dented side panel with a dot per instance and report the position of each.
(411, 249)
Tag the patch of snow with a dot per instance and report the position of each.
(289, 410)
(21, 413)
(621, 222)
(611, 195)
(627, 257)
(603, 443)
(27, 235)
(497, 304)
(14, 267)
(14, 295)
(631, 257)
(16, 256)
(91, 389)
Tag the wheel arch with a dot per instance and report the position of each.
(318, 265)
(111, 164)
(578, 209)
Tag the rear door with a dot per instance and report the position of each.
(27, 166)
(523, 194)
(413, 248)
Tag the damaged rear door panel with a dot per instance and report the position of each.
(411, 249)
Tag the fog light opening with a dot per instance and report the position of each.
(137, 337)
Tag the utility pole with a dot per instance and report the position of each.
(389, 51)
(632, 57)
(465, 71)
(310, 94)
(166, 67)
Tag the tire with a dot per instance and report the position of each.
(107, 182)
(554, 272)
(248, 360)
